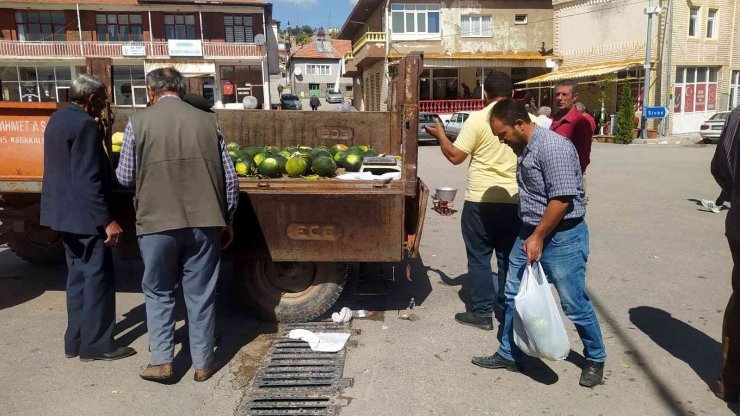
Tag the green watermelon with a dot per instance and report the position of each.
(320, 153)
(253, 150)
(269, 167)
(339, 159)
(259, 158)
(364, 148)
(339, 148)
(232, 146)
(243, 167)
(324, 166)
(296, 167)
(281, 163)
(355, 150)
(370, 153)
(286, 154)
(353, 162)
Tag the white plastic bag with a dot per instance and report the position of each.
(538, 327)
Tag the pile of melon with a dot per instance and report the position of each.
(297, 162)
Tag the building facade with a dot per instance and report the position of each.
(462, 41)
(316, 67)
(694, 56)
(221, 47)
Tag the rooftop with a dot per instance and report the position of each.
(329, 49)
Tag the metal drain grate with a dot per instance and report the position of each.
(291, 405)
(295, 380)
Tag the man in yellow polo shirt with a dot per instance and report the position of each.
(489, 221)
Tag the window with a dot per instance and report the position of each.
(520, 19)
(119, 27)
(179, 26)
(129, 86)
(330, 87)
(476, 26)
(318, 69)
(711, 22)
(32, 83)
(693, 20)
(414, 19)
(439, 84)
(734, 90)
(238, 28)
(695, 89)
(243, 81)
(40, 25)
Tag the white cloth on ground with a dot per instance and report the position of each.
(321, 341)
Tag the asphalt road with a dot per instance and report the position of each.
(658, 274)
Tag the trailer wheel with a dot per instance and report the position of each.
(292, 291)
(39, 246)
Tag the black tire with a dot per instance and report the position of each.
(292, 291)
(38, 246)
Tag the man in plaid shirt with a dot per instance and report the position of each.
(186, 195)
(552, 208)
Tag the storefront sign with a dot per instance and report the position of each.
(185, 47)
(712, 97)
(688, 98)
(677, 99)
(701, 97)
(131, 49)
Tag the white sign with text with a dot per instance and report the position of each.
(178, 47)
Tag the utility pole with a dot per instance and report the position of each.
(669, 66)
(650, 11)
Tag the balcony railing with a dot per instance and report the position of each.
(349, 56)
(115, 49)
(369, 37)
(450, 106)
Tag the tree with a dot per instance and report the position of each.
(625, 116)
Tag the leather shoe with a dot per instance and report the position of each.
(592, 374)
(160, 372)
(204, 374)
(117, 354)
(471, 319)
(495, 361)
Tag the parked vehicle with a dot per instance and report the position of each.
(290, 102)
(296, 240)
(334, 96)
(427, 119)
(454, 125)
(711, 129)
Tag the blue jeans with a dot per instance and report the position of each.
(564, 260)
(487, 227)
(195, 255)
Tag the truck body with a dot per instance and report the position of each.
(293, 237)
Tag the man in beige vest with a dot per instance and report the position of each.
(186, 194)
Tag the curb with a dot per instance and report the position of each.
(670, 140)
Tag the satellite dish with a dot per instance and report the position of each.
(250, 102)
(260, 39)
(297, 72)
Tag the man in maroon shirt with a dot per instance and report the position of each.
(569, 123)
(582, 109)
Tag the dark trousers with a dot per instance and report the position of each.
(730, 375)
(314, 107)
(721, 199)
(91, 296)
(487, 227)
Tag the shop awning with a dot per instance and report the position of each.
(486, 60)
(187, 68)
(584, 72)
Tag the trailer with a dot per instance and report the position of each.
(295, 239)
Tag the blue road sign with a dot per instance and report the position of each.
(655, 112)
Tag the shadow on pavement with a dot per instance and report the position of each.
(670, 399)
(18, 285)
(462, 280)
(538, 371)
(701, 352)
(379, 288)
